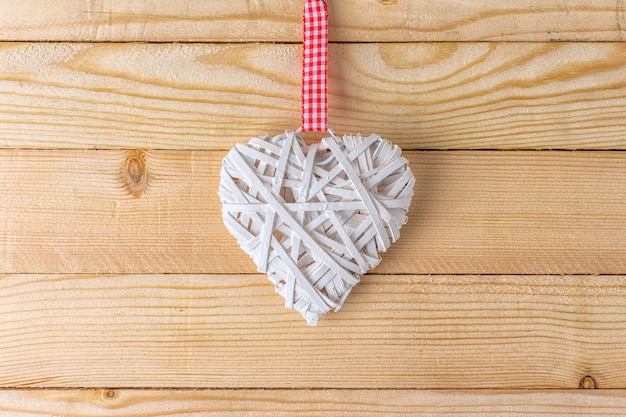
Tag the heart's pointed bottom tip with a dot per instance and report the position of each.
(312, 321)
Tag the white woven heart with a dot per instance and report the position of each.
(314, 218)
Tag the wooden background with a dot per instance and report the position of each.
(121, 293)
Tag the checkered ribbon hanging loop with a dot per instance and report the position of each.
(315, 67)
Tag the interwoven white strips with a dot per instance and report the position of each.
(314, 218)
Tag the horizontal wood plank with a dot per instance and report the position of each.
(280, 21)
(524, 212)
(232, 331)
(277, 403)
(420, 96)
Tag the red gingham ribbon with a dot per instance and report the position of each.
(314, 67)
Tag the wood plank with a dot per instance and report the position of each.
(280, 21)
(258, 403)
(232, 331)
(524, 212)
(421, 96)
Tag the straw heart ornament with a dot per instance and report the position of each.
(314, 218)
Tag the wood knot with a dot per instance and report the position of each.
(135, 173)
(109, 394)
(588, 382)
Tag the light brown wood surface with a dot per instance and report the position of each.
(504, 295)
(309, 403)
(418, 95)
(279, 21)
(524, 212)
(232, 331)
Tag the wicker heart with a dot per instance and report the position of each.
(314, 218)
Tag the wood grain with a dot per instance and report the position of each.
(525, 212)
(232, 331)
(506, 292)
(420, 96)
(259, 403)
(280, 21)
